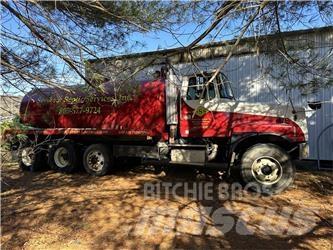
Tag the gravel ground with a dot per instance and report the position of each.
(49, 210)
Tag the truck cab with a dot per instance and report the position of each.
(257, 140)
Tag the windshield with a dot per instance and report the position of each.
(223, 86)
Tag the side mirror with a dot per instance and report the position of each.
(314, 105)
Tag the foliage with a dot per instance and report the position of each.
(131, 14)
(12, 138)
(13, 123)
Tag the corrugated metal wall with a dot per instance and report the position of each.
(250, 83)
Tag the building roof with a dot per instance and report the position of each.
(243, 41)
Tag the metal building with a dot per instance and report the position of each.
(252, 70)
(9, 106)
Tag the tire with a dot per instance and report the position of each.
(31, 158)
(97, 160)
(267, 169)
(63, 157)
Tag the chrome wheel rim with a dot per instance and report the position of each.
(266, 170)
(61, 157)
(27, 156)
(95, 160)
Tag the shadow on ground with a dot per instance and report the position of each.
(49, 210)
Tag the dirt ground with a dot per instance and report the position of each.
(50, 210)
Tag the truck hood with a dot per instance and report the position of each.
(274, 110)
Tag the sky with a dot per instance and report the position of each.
(164, 40)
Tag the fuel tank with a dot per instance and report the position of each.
(132, 107)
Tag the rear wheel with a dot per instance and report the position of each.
(267, 168)
(63, 157)
(31, 158)
(97, 159)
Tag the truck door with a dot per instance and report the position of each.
(199, 101)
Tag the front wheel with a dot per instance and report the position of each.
(97, 159)
(267, 168)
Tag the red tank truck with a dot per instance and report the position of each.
(188, 123)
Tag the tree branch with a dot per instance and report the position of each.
(26, 22)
